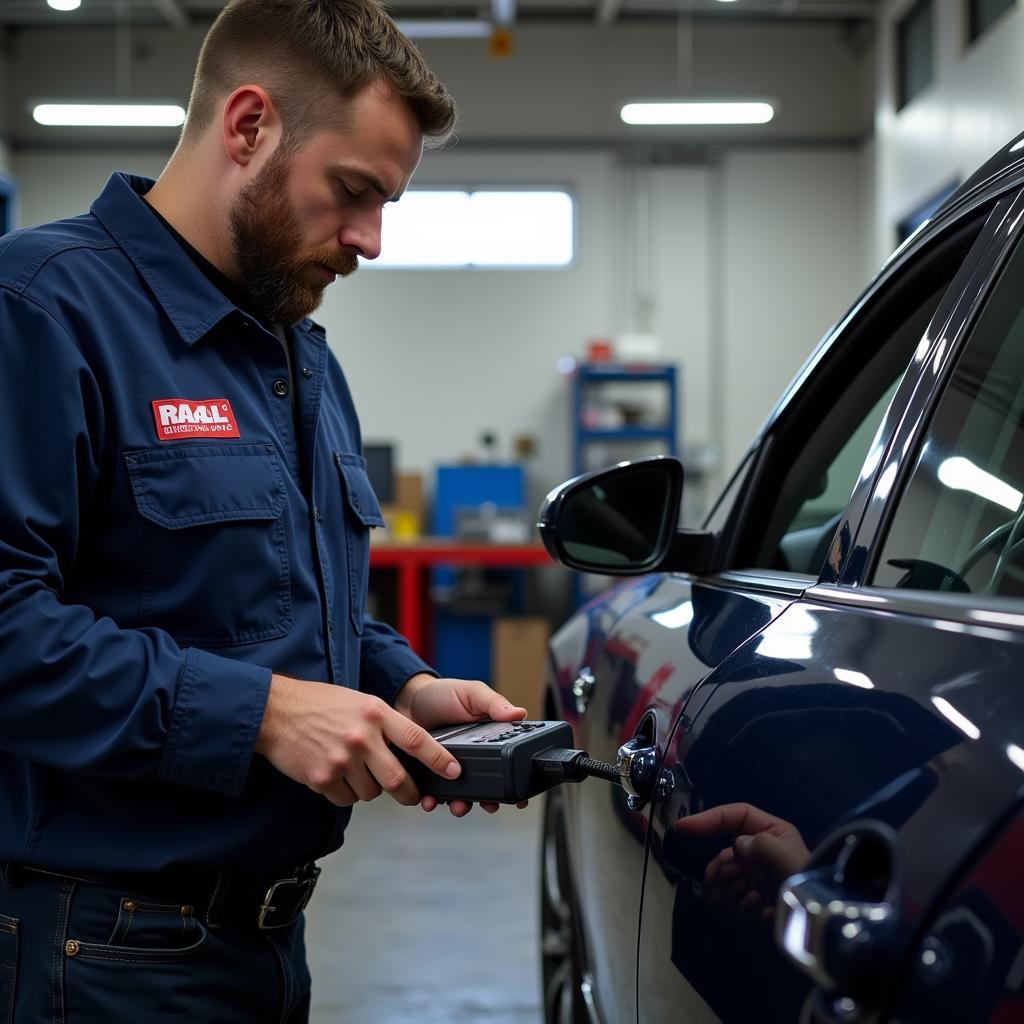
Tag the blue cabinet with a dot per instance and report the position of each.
(462, 628)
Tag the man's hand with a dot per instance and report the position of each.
(431, 702)
(335, 740)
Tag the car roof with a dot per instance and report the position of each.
(1002, 171)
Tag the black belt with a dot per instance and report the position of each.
(265, 902)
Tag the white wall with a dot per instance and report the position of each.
(974, 106)
(795, 234)
(63, 183)
(437, 357)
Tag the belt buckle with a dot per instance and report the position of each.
(292, 894)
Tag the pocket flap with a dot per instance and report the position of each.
(358, 489)
(191, 485)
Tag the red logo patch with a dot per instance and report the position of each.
(176, 418)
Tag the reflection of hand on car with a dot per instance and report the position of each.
(745, 877)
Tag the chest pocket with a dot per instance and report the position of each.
(212, 549)
(362, 511)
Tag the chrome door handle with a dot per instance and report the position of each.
(583, 689)
(838, 942)
(838, 922)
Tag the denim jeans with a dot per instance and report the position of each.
(78, 953)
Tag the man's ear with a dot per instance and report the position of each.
(250, 124)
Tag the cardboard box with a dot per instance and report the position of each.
(406, 515)
(519, 651)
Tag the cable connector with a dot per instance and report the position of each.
(566, 765)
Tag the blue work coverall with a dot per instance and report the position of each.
(171, 532)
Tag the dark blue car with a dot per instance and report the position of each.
(825, 683)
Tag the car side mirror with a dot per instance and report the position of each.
(623, 521)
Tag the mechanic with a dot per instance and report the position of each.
(192, 695)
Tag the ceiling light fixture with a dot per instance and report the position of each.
(65, 5)
(444, 28)
(693, 112)
(110, 115)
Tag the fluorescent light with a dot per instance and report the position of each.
(960, 474)
(693, 112)
(65, 5)
(110, 115)
(424, 28)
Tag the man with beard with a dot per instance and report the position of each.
(191, 693)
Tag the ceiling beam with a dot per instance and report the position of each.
(607, 12)
(173, 13)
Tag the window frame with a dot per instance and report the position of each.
(1000, 250)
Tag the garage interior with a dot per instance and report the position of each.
(720, 253)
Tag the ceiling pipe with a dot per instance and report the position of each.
(503, 13)
(173, 13)
(607, 12)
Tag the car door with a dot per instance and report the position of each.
(829, 738)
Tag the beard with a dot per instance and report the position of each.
(266, 243)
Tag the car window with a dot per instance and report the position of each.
(823, 448)
(959, 523)
(719, 515)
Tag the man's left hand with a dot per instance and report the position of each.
(431, 703)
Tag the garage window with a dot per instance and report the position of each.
(915, 52)
(463, 230)
(982, 14)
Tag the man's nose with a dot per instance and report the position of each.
(362, 235)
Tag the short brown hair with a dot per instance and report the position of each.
(308, 54)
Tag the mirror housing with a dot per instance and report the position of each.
(623, 521)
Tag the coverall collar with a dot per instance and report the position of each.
(191, 301)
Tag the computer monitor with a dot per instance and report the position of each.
(380, 466)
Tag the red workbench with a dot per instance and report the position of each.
(412, 558)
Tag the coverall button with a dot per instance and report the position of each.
(129, 905)
(72, 946)
(187, 910)
(280, 387)
(307, 372)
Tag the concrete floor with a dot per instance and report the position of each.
(429, 919)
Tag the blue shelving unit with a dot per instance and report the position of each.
(590, 375)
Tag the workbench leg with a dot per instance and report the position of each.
(410, 606)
